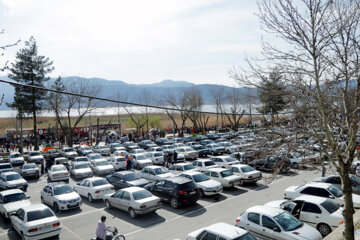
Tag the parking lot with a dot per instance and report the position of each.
(167, 223)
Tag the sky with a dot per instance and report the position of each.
(137, 41)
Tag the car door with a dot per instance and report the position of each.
(124, 201)
(215, 176)
(158, 189)
(115, 199)
(45, 194)
(2, 182)
(117, 181)
(270, 230)
(310, 214)
(50, 196)
(253, 223)
(18, 220)
(87, 188)
(151, 175)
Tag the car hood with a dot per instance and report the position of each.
(106, 167)
(83, 170)
(166, 175)
(275, 203)
(209, 184)
(138, 182)
(305, 232)
(13, 206)
(18, 158)
(18, 181)
(36, 157)
(68, 196)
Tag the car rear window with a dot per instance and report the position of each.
(39, 214)
(3, 166)
(13, 177)
(188, 185)
(99, 182)
(141, 194)
(246, 236)
(209, 163)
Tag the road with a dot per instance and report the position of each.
(167, 223)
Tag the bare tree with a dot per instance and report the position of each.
(218, 95)
(320, 56)
(195, 103)
(233, 96)
(250, 100)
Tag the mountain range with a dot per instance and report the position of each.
(134, 92)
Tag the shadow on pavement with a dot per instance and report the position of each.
(234, 191)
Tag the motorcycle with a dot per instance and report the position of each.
(114, 235)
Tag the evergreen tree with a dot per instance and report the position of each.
(31, 69)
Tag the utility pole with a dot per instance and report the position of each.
(21, 133)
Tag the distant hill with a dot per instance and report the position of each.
(110, 88)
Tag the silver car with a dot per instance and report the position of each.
(30, 170)
(80, 170)
(11, 180)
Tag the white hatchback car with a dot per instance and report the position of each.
(36, 221)
(204, 164)
(80, 170)
(247, 173)
(11, 201)
(118, 162)
(60, 196)
(226, 177)
(178, 168)
(10, 180)
(206, 185)
(274, 223)
(224, 161)
(155, 173)
(58, 173)
(325, 190)
(94, 188)
(321, 213)
(156, 157)
(221, 231)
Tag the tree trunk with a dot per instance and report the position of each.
(348, 207)
(36, 142)
(70, 140)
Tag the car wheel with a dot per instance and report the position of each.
(324, 229)
(132, 213)
(11, 226)
(42, 200)
(241, 182)
(90, 198)
(201, 193)
(295, 165)
(22, 236)
(212, 153)
(56, 207)
(174, 203)
(24, 189)
(228, 152)
(107, 203)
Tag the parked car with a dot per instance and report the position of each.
(221, 231)
(202, 150)
(176, 190)
(318, 189)
(118, 162)
(62, 161)
(199, 138)
(279, 163)
(116, 147)
(224, 161)
(126, 179)
(206, 142)
(335, 180)
(16, 159)
(84, 150)
(207, 186)
(213, 136)
(167, 147)
(138, 151)
(80, 159)
(121, 153)
(35, 221)
(203, 164)
(140, 160)
(11, 180)
(101, 167)
(95, 156)
(134, 200)
(80, 170)
(229, 147)
(215, 149)
(58, 173)
(154, 173)
(273, 223)
(178, 168)
(130, 146)
(163, 141)
(145, 144)
(6, 167)
(155, 149)
(189, 139)
(190, 144)
(156, 157)
(60, 196)
(94, 188)
(103, 150)
(30, 170)
(35, 157)
(68, 152)
(51, 154)
(224, 176)
(321, 213)
(11, 201)
(247, 173)
(188, 152)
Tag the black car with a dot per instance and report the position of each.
(145, 144)
(175, 190)
(202, 150)
(126, 179)
(271, 163)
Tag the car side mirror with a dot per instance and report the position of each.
(331, 196)
(276, 229)
(50, 194)
(28, 197)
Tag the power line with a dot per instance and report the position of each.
(124, 102)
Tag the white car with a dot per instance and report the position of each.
(207, 186)
(188, 152)
(11, 201)
(221, 231)
(60, 196)
(80, 170)
(95, 156)
(68, 152)
(1, 159)
(204, 164)
(140, 161)
(178, 168)
(138, 151)
(118, 162)
(226, 177)
(58, 173)
(94, 188)
(30, 170)
(134, 200)
(121, 153)
(224, 161)
(325, 190)
(16, 158)
(79, 159)
(154, 173)
(321, 213)
(247, 173)
(156, 157)
(103, 150)
(274, 223)
(6, 167)
(10, 180)
(36, 221)
(35, 157)
(229, 147)
(101, 167)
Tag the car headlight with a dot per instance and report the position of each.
(62, 201)
(78, 199)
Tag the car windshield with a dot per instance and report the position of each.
(59, 168)
(96, 156)
(140, 157)
(355, 179)
(246, 236)
(158, 154)
(230, 159)
(209, 163)
(287, 221)
(335, 191)
(29, 166)
(59, 190)
(189, 149)
(85, 148)
(14, 197)
(200, 177)
(141, 194)
(188, 167)
(16, 155)
(83, 159)
(68, 150)
(140, 150)
(247, 169)
(226, 173)
(330, 206)
(216, 145)
(102, 163)
(82, 165)
(131, 177)
(35, 154)
(116, 145)
(104, 147)
(13, 177)
(99, 182)
(39, 214)
(160, 171)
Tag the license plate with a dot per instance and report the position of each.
(73, 204)
(45, 227)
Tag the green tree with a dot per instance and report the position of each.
(31, 69)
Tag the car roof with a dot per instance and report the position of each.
(226, 229)
(178, 179)
(204, 160)
(191, 172)
(133, 189)
(153, 167)
(222, 157)
(271, 211)
(8, 173)
(217, 169)
(182, 164)
(93, 178)
(33, 207)
(11, 191)
(124, 172)
(311, 199)
(53, 184)
(240, 165)
(317, 184)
